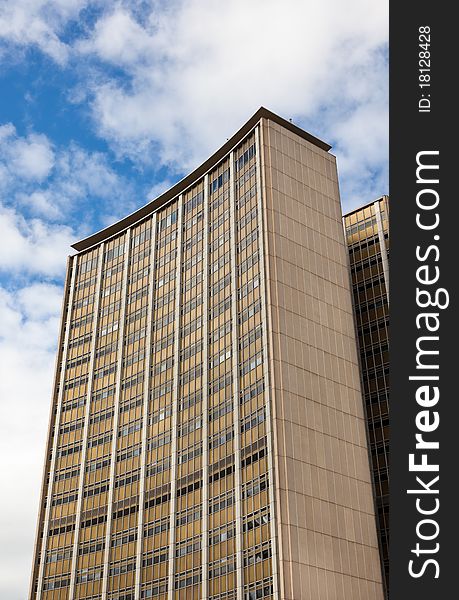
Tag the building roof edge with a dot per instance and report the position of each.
(183, 184)
(366, 205)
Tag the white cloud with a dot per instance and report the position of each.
(40, 300)
(195, 72)
(30, 157)
(30, 318)
(158, 188)
(54, 183)
(34, 158)
(38, 23)
(32, 245)
(6, 131)
(362, 146)
(87, 174)
(41, 202)
(119, 39)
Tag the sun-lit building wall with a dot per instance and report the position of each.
(367, 233)
(165, 476)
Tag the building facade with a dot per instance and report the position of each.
(207, 435)
(367, 233)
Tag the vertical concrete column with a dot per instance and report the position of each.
(266, 353)
(175, 391)
(119, 370)
(205, 399)
(146, 400)
(235, 368)
(382, 245)
(95, 324)
(59, 381)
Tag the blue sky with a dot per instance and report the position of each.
(103, 105)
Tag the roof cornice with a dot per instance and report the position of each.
(186, 182)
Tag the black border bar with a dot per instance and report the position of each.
(423, 119)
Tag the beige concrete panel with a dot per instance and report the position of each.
(327, 525)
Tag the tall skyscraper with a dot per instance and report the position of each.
(367, 232)
(207, 436)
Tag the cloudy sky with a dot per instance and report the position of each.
(103, 105)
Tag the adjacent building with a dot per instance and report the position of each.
(367, 233)
(207, 435)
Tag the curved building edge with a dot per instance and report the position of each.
(190, 179)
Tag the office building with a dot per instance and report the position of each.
(207, 437)
(367, 232)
